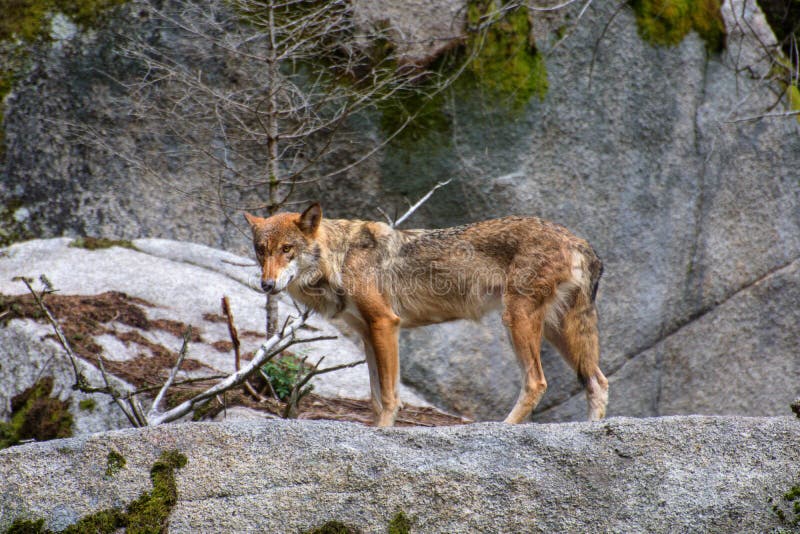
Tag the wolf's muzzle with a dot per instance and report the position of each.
(268, 285)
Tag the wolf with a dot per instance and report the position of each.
(379, 279)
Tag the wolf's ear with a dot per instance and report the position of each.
(252, 219)
(310, 219)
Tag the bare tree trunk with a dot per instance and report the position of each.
(272, 152)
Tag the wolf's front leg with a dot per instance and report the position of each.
(382, 338)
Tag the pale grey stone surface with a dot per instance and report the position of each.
(183, 281)
(672, 474)
(686, 207)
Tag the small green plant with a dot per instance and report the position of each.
(283, 373)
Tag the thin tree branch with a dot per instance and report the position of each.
(80, 380)
(419, 203)
(268, 350)
(181, 355)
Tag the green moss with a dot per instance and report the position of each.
(667, 22)
(96, 243)
(498, 60)
(399, 524)
(29, 20)
(86, 13)
(333, 527)
(102, 522)
(793, 93)
(11, 230)
(114, 463)
(787, 509)
(35, 415)
(87, 405)
(149, 513)
(24, 22)
(506, 62)
(27, 526)
(146, 515)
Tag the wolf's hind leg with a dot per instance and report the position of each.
(576, 338)
(524, 321)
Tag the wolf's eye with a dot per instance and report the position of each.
(286, 249)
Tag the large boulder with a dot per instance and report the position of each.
(672, 474)
(639, 148)
(686, 206)
(149, 294)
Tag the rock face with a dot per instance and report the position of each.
(638, 148)
(180, 282)
(673, 474)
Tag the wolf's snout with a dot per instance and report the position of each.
(268, 285)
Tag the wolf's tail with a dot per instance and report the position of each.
(595, 268)
(580, 322)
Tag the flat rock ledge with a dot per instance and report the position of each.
(670, 474)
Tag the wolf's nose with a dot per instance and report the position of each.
(268, 285)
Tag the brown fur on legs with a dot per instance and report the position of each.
(524, 319)
(576, 338)
(379, 279)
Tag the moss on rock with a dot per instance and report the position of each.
(793, 94)
(498, 59)
(87, 405)
(12, 225)
(146, 515)
(96, 243)
(149, 513)
(115, 462)
(667, 22)
(333, 527)
(26, 22)
(399, 524)
(29, 20)
(505, 60)
(36, 415)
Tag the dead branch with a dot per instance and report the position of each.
(234, 334)
(419, 203)
(80, 381)
(129, 415)
(273, 346)
(299, 390)
(162, 392)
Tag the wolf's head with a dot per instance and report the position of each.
(285, 246)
